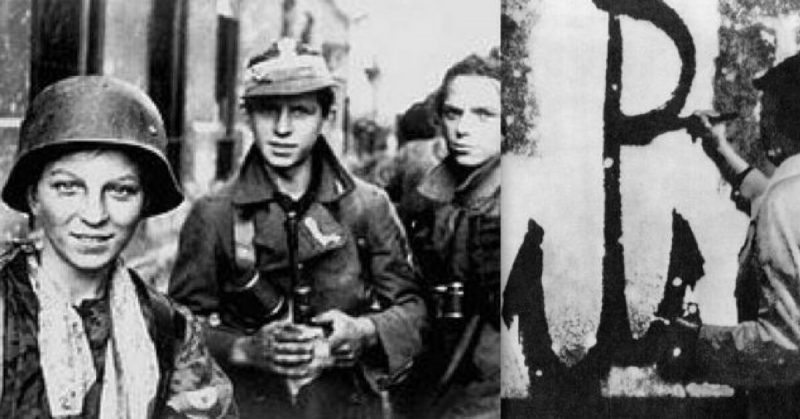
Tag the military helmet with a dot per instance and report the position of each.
(287, 67)
(90, 112)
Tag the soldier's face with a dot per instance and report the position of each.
(88, 205)
(286, 128)
(471, 115)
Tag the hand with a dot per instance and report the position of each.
(284, 348)
(713, 137)
(349, 335)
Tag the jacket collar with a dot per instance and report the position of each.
(441, 184)
(253, 185)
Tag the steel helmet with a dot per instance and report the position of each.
(87, 112)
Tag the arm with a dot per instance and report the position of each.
(400, 325)
(734, 169)
(764, 351)
(195, 280)
(390, 337)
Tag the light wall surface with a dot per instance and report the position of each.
(561, 185)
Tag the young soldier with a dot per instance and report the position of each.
(302, 270)
(83, 336)
(456, 238)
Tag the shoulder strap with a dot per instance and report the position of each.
(351, 211)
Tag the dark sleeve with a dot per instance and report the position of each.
(196, 276)
(764, 351)
(200, 268)
(401, 323)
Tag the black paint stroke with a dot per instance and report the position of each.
(641, 129)
(614, 340)
(685, 268)
(524, 297)
(555, 390)
(558, 391)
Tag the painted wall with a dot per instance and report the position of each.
(561, 184)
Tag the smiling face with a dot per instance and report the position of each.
(471, 116)
(88, 205)
(286, 128)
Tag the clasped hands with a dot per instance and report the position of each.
(299, 350)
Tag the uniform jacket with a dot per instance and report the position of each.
(456, 234)
(184, 361)
(763, 349)
(456, 237)
(345, 211)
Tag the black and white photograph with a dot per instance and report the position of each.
(293, 209)
(649, 240)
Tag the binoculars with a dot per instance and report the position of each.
(449, 300)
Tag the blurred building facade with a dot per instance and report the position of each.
(188, 55)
